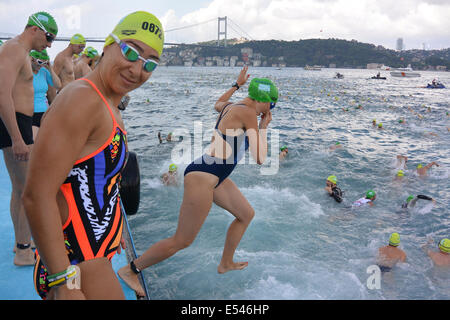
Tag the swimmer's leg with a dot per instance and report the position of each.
(197, 201)
(17, 172)
(228, 196)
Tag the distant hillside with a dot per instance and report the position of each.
(342, 53)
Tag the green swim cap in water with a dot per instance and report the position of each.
(262, 90)
(394, 240)
(444, 245)
(283, 148)
(90, 52)
(43, 20)
(142, 26)
(370, 194)
(332, 179)
(409, 198)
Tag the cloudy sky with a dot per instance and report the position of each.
(379, 22)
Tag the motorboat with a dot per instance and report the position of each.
(404, 72)
(315, 68)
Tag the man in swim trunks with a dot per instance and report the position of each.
(16, 116)
(206, 179)
(82, 65)
(442, 257)
(64, 66)
(389, 255)
(71, 196)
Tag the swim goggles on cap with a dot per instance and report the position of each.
(131, 54)
(272, 105)
(50, 37)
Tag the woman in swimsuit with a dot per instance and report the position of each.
(206, 179)
(71, 195)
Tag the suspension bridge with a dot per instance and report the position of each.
(226, 27)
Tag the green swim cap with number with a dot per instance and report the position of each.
(142, 26)
(262, 90)
(394, 240)
(43, 19)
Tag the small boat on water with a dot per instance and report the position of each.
(435, 85)
(339, 76)
(314, 68)
(404, 72)
(378, 77)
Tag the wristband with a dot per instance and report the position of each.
(134, 268)
(59, 279)
(236, 86)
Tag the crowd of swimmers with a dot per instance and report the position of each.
(66, 175)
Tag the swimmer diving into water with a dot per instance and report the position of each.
(206, 179)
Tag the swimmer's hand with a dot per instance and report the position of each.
(64, 293)
(243, 76)
(20, 150)
(122, 246)
(265, 120)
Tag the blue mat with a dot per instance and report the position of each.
(16, 283)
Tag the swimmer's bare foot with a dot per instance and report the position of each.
(131, 279)
(24, 257)
(222, 268)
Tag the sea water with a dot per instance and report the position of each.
(301, 244)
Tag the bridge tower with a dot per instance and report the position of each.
(219, 32)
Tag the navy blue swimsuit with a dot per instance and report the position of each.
(221, 168)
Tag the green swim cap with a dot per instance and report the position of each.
(409, 198)
(35, 54)
(43, 20)
(90, 52)
(77, 39)
(332, 179)
(380, 125)
(394, 240)
(283, 148)
(41, 55)
(400, 121)
(173, 167)
(1, 42)
(444, 245)
(370, 194)
(142, 26)
(337, 143)
(262, 90)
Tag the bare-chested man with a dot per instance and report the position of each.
(16, 112)
(64, 65)
(389, 255)
(442, 257)
(82, 65)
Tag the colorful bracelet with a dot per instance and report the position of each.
(59, 279)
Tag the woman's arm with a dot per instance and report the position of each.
(223, 100)
(257, 134)
(56, 81)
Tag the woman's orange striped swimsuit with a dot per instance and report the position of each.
(94, 225)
